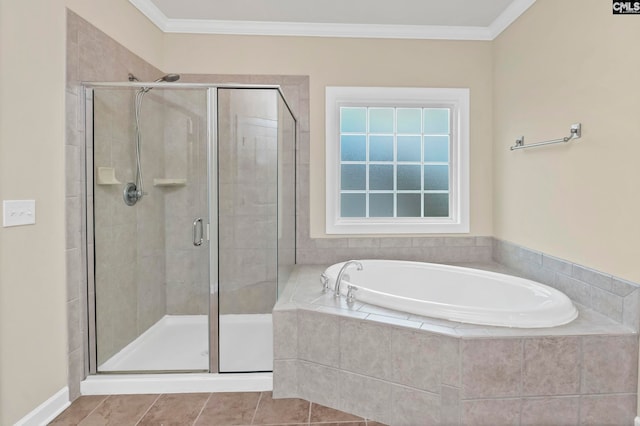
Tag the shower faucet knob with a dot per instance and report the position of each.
(131, 194)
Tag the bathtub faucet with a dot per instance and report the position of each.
(341, 274)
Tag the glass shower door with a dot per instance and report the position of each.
(248, 226)
(256, 222)
(151, 277)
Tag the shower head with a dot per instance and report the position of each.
(169, 78)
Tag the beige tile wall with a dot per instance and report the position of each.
(129, 240)
(609, 295)
(150, 215)
(116, 233)
(185, 145)
(286, 193)
(247, 223)
(91, 56)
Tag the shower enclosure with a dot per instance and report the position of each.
(184, 269)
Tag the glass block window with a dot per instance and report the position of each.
(394, 162)
(397, 160)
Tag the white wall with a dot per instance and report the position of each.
(356, 62)
(560, 63)
(564, 62)
(33, 321)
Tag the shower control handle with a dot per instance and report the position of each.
(197, 224)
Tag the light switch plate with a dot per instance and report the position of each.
(18, 212)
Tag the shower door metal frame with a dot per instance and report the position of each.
(91, 366)
(212, 191)
(212, 227)
(210, 233)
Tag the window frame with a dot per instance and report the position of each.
(457, 99)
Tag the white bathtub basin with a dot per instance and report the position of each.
(457, 294)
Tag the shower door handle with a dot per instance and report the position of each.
(198, 224)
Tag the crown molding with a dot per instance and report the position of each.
(195, 26)
(424, 32)
(151, 11)
(508, 16)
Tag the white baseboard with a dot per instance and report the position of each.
(48, 410)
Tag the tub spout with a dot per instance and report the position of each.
(341, 274)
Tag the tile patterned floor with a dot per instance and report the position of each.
(202, 409)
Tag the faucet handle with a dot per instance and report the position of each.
(324, 280)
(351, 297)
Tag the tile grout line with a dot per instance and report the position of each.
(581, 386)
(521, 384)
(202, 409)
(95, 408)
(148, 408)
(255, 411)
(309, 413)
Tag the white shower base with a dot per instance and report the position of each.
(174, 343)
(181, 343)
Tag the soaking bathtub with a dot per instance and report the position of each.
(455, 293)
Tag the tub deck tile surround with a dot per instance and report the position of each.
(611, 296)
(405, 369)
(316, 251)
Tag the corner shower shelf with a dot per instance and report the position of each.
(169, 182)
(107, 176)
